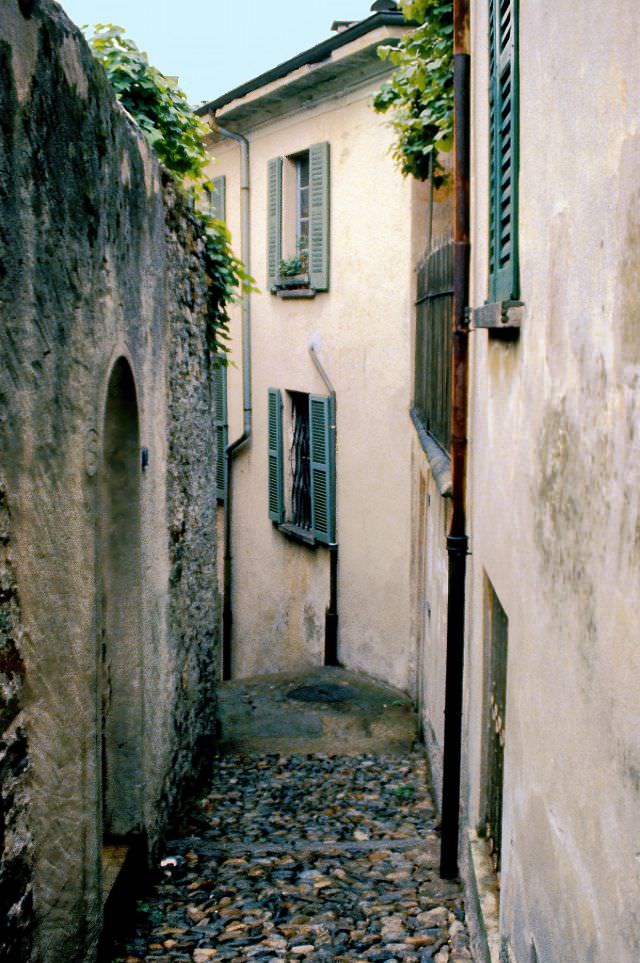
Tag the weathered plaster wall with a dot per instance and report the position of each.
(555, 490)
(99, 262)
(430, 520)
(431, 516)
(361, 328)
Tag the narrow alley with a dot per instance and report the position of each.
(301, 855)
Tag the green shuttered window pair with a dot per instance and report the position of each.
(503, 151)
(322, 464)
(221, 427)
(318, 253)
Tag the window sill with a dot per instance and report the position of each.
(439, 460)
(290, 293)
(301, 535)
(499, 316)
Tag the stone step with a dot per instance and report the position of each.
(317, 710)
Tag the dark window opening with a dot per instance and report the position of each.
(498, 630)
(300, 462)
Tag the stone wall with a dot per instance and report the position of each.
(100, 272)
(16, 850)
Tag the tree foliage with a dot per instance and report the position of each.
(177, 134)
(419, 94)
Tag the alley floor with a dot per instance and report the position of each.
(305, 856)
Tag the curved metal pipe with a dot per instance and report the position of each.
(235, 446)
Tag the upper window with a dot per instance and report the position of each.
(503, 151)
(302, 208)
(298, 219)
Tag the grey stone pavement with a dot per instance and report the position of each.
(315, 839)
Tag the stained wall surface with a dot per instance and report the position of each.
(555, 490)
(101, 273)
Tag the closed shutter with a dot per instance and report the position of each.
(222, 431)
(274, 220)
(276, 491)
(503, 150)
(319, 216)
(322, 467)
(219, 198)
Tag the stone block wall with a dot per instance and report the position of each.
(100, 271)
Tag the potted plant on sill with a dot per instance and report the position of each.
(293, 272)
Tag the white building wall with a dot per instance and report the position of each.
(361, 329)
(554, 488)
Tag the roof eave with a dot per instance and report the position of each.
(314, 55)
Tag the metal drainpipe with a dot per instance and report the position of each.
(235, 446)
(331, 613)
(457, 541)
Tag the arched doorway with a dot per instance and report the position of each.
(120, 600)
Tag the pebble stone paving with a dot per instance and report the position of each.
(311, 858)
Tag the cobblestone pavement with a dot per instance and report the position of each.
(305, 857)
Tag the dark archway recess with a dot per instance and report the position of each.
(120, 621)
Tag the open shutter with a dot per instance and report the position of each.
(222, 430)
(319, 216)
(219, 198)
(323, 482)
(274, 219)
(503, 150)
(276, 492)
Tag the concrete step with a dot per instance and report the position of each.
(326, 710)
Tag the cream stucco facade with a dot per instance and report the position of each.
(361, 331)
(554, 502)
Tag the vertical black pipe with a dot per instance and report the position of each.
(331, 614)
(457, 542)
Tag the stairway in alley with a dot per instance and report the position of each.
(314, 841)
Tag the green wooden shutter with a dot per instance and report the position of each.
(503, 150)
(274, 220)
(218, 198)
(276, 485)
(323, 481)
(319, 216)
(222, 430)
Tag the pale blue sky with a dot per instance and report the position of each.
(215, 45)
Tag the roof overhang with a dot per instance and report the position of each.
(343, 62)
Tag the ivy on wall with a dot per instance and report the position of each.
(419, 94)
(161, 110)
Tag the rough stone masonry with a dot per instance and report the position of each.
(108, 599)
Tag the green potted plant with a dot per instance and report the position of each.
(293, 272)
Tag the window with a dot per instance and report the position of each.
(299, 461)
(497, 633)
(221, 427)
(434, 308)
(298, 217)
(302, 208)
(503, 151)
(310, 503)
(217, 197)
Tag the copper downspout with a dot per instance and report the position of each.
(457, 541)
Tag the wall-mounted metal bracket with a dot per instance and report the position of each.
(498, 316)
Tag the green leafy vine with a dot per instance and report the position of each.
(419, 94)
(178, 136)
